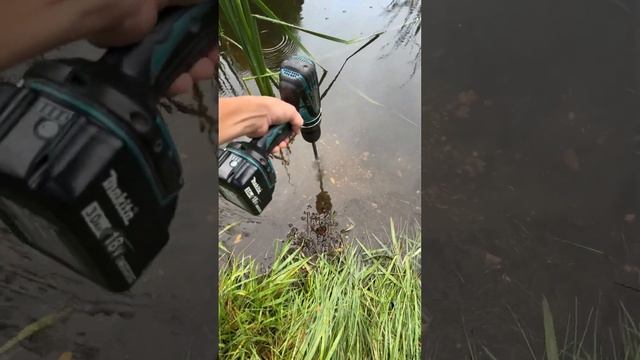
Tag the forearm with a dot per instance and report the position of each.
(239, 116)
(31, 27)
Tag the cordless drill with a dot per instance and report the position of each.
(89, 174)
(246, 175)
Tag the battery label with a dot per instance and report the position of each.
(96, 219)
(125, 269)
(256, 186)
(254, 199)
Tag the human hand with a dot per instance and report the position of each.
(202, 70)
(32, 27)
(253, 115)
(140, 20)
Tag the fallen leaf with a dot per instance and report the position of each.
(467, 97)
(462, 112)
(570, 159)
(67, 355)
(492, 261)
(348, 228)
(602, 138)
(237, 239)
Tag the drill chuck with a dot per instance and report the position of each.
(311, 132)
(299, 87)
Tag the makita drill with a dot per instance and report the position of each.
(246, 175)
(89, 174)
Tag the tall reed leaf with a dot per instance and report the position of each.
(549, 331)
(245, 29)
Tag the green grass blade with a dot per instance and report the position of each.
(316, 33)
(35, 327)
(227, 228)
(549, 332)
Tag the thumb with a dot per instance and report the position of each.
(138, 22)
(131, 29)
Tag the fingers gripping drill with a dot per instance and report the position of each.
(246, 175)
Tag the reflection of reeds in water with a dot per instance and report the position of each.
(229, 81)
(409, 33)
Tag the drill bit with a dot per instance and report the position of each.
(315, 153)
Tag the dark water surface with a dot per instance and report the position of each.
(530, 113)
(370, 144)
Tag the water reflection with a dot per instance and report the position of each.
(323, 199)
(408, 35)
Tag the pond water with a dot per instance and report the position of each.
(530, 109)
(370, 144)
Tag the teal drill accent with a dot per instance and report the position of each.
(273, 134)
(167, 139)
(162, 51)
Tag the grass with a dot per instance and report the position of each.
(33, 328)
(356, 304)
(581, 346)
(589, 342)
